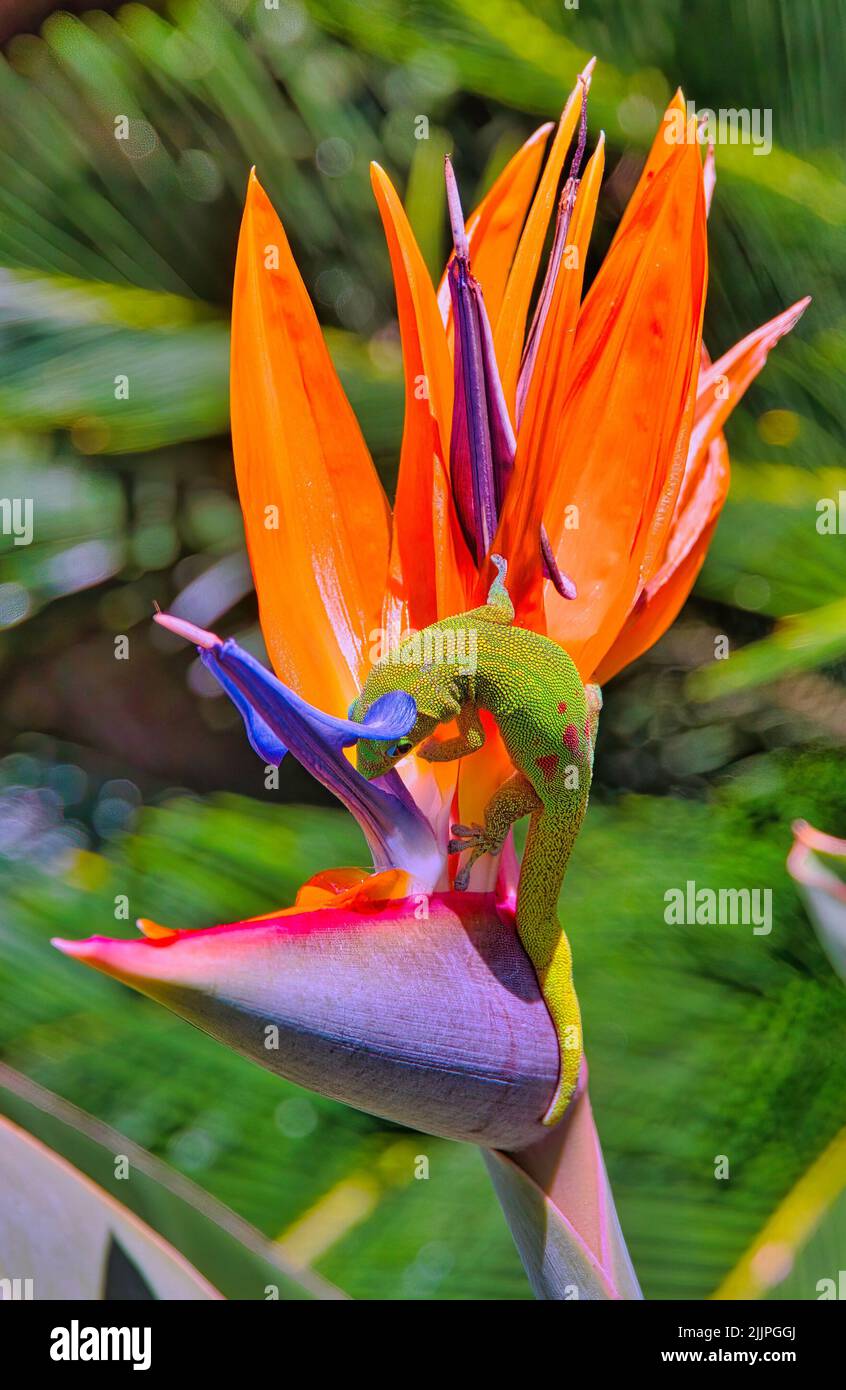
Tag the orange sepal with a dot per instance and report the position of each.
(722, 384)
(154, 931)
(621, 442)
(327, 886)
(510, 325)
(352, 887)
(703, 492)
(662, 599)
(315, 513)
(661, 150)
(519, 529)
(390, 885)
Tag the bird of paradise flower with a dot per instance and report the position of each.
(586, 447)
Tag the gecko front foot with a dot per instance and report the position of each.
(479, 841)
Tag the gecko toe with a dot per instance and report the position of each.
(457, 846)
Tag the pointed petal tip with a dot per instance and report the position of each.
(456, 215)
(256, 192)
(79, 950)
(818, 840)
(785, 322)
(540, 134)
(153, 930)
(378, 177)
(182, 628)
(382, 183)
(587, 71)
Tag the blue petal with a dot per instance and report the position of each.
(263, 741)
(392, 716)
(398, 833)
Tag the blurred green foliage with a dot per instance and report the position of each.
(116, 257)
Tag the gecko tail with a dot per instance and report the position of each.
(556, 982)
(552, 833)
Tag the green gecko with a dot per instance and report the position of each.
(548, 720)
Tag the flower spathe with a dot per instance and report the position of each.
(586, 448)
(431, 1019)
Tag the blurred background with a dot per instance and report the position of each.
(134, 777)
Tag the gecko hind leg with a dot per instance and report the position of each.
(510, 802)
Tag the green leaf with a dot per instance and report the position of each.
(236, 1259)
(797, 644)
(64, 1237)
(799, 1252)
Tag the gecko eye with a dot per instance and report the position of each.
(400, 748)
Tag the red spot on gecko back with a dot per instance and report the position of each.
(562, 708)
(571, 738)
(587, 730)
(548, 765)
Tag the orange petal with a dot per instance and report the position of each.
(327, 886)
(353, 888)
(429, 560)
(702, 494)
(345, 886)
(664, 596)
(510, 325)
(722, 384)
(387, 886)
(154, 931)
(621, 441)
(315, 514)
(519, 529)
(659, 153)
(493, 228)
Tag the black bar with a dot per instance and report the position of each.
(239, 1339)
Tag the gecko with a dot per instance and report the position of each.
(547, 718)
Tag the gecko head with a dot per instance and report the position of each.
(375, 757)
